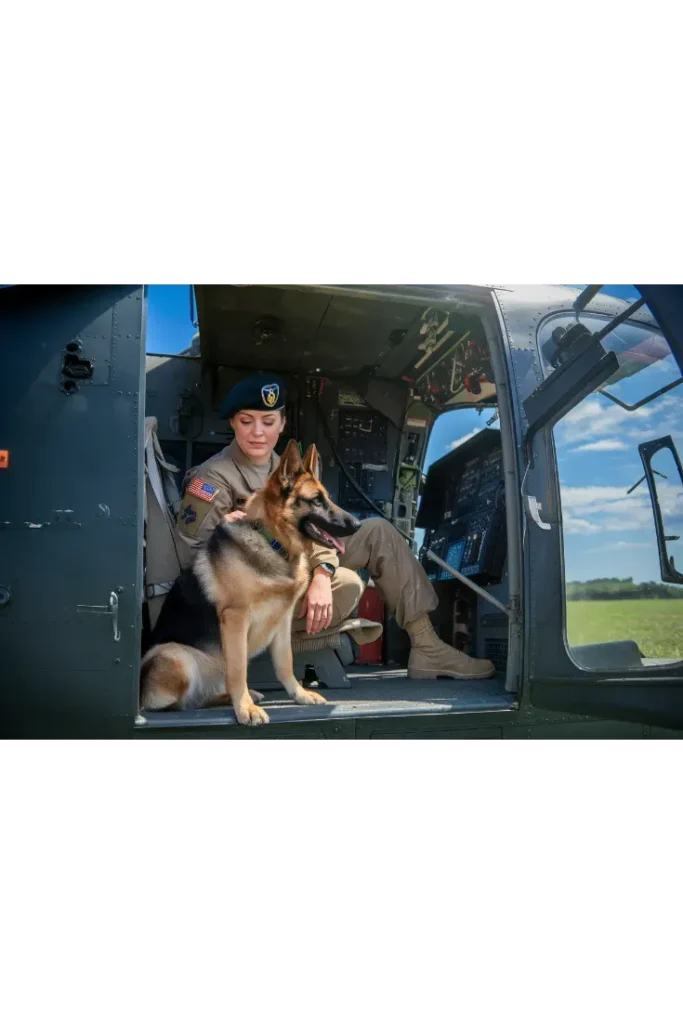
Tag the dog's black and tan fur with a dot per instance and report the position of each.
(239, 595)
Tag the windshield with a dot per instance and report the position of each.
(451, 429)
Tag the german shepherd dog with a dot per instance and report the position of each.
(239, 594)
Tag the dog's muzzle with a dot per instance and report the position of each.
(330, 531)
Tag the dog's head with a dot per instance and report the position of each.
(295, 496)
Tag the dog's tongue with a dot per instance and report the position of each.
(334, 542)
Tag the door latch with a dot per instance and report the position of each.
(535, 509)
(105, 609)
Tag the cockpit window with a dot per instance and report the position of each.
(646, 363)
(619, 613)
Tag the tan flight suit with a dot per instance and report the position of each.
(376, 546)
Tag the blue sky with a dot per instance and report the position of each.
(607, 532)
(169, 328)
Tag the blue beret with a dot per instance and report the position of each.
(264, 393)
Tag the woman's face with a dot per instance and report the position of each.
(257, 432)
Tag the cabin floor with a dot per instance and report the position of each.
(374, 692)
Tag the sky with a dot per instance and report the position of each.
(169, 328)
(606, 531)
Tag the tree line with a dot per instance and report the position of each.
(611, 588)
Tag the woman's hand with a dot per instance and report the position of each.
(317, 603)
(234, 517)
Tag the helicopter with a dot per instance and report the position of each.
(97, 434)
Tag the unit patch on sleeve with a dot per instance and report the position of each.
(196, 506)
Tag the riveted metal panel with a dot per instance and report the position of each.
(71, 414)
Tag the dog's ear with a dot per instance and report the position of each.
(312, 461)
(290, 464)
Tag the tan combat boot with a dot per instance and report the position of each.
(431, 657)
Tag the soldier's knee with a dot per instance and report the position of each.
(348, 590)
(379, 536)
(376, 528)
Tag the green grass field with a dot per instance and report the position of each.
(656, 626)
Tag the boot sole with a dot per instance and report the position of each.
(420, 673)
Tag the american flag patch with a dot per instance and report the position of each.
(201, 489)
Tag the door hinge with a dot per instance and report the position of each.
(105, 609)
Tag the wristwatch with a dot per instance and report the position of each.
(328, 567)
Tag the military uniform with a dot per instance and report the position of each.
(225, 481)
(223, 484)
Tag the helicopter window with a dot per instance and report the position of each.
(619, 613)
(645, 359)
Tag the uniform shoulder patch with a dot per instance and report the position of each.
(193, 513)
(202, 489)
(188, 515)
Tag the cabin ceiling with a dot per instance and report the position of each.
(340, 335)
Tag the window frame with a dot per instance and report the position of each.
(551, 679)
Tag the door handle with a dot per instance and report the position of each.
(105, 609)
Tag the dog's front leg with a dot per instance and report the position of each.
(281, 653)
(234, 630)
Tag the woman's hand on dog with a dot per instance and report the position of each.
(234, 517)
(317, 603)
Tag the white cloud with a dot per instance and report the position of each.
(674, 427)
(641, 435)
(461, 440)
(667, 365)
(612, 510)
(623, 545)
(606, 445)
(591, 418)
(571, 524)
(590, 498)
(607, 509)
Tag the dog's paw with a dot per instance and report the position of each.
(309, 697)
(250, 714)
(224, 698)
